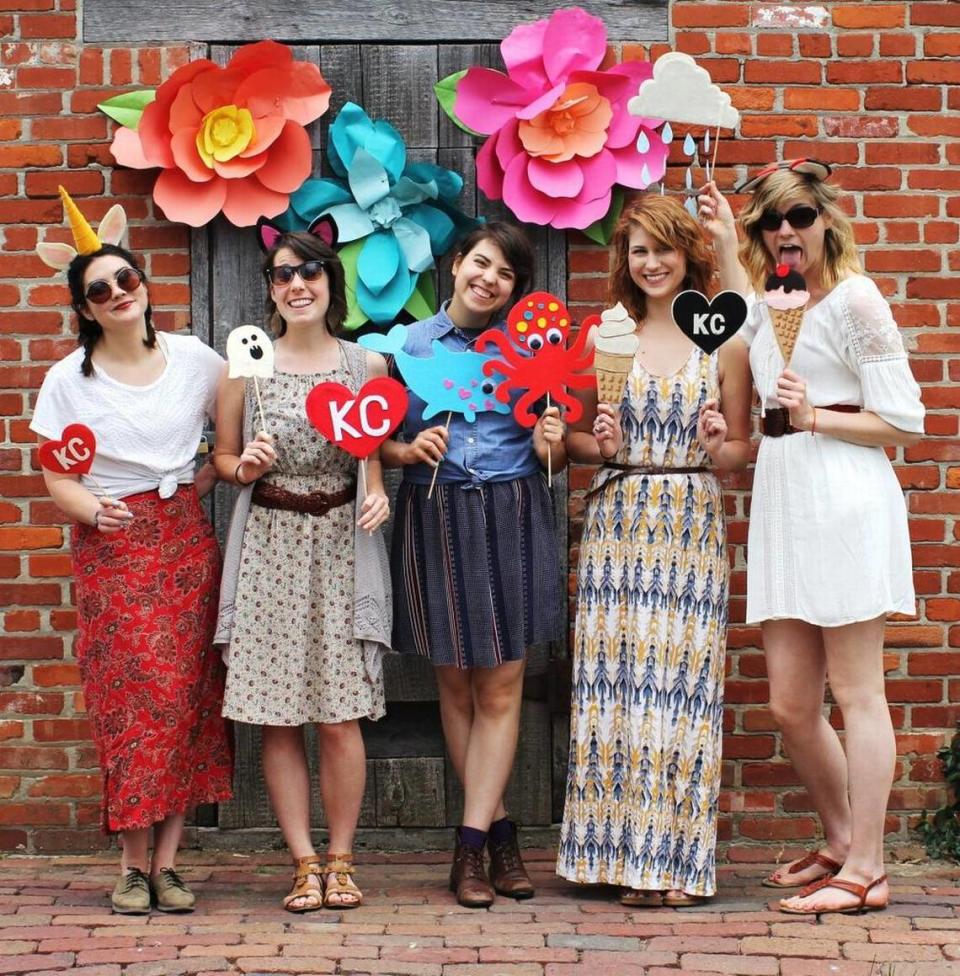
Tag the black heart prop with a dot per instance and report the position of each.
(709, 324)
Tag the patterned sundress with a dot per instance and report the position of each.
(293, 656)
(648, 663)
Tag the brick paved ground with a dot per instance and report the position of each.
(54, 918)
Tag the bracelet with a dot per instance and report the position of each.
(238, 479)
(96, 519)
(813, 425)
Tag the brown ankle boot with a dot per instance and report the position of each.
(507, 872)
(468, 879)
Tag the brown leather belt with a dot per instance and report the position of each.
(776, 422)
(316, 503)
(625, 470)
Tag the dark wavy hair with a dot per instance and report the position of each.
(516, 248)
(666, 220)
(309, 247)
(88, 330)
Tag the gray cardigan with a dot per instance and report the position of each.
(372, 602)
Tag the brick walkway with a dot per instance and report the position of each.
(54, 918)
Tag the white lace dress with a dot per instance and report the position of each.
(828, 540)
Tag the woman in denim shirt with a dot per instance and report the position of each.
(476, 572)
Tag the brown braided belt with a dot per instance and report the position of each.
(316, 503)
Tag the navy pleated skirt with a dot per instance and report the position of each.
(476, 573)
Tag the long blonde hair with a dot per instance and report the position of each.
(668, 223)
(777, 192)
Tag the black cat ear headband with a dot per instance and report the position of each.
(268, 233)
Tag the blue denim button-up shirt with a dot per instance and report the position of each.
(492, 448)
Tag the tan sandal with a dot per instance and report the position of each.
(339, 890)
(305, 887)
(640, 898)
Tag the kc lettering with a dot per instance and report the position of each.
(706, 324)
(72, 453)
(343, 428)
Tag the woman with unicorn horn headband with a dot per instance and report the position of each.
(146, 563)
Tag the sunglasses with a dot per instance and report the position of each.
(98, 292)
(798, 218)
(309, 271)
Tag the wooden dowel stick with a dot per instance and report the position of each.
(433, 480)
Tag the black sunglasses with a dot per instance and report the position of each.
(99, 291)
(309, 271)
(799, 218)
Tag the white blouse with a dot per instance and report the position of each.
(147, 436)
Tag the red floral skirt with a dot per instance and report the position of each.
(147, 604)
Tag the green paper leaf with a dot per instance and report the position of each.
(423, 302)
(349, 258)
(602, 230)
(128, 107)
(446, 92)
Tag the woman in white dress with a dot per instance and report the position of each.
(828, 547)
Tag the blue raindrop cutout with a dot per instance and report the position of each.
(689, 146)
(643, 142)
(666, 133)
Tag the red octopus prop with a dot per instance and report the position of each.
(539, 324)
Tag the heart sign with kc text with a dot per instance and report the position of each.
(357, 422)
(72, 454)
(708, 324)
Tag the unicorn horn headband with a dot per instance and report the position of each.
(111, 231)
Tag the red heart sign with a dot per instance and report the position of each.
(73, 453)
(357, 422)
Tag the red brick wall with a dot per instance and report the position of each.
(870, 86)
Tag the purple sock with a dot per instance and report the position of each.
(472, 837)
(501, 830)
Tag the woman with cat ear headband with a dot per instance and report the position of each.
(146, 562)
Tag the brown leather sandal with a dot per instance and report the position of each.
(339, 890)
(858, 890)
(304, 886)
(809, 859)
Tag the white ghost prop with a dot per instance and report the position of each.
(249, 352)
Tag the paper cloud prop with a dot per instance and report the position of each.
(681, 91)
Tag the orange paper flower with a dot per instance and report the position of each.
(229, 139)
(575, 125)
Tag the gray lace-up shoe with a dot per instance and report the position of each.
(171, 892)
(131, 894)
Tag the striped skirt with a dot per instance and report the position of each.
(476, 573)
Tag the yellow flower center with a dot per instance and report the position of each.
(224, 133)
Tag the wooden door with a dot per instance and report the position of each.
(410, 783)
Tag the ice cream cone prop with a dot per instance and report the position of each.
(614, 350)
(786, 296)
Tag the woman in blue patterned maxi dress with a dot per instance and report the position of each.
(652, 584)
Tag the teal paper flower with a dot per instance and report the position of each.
(393, 218)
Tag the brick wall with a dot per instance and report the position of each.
(869, 86)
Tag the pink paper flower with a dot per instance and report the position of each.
(560, 133)
(229, 139)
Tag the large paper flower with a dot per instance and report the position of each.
(228, 139)
(393, 217)
(560, 134)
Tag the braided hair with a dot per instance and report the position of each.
(88, 330)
